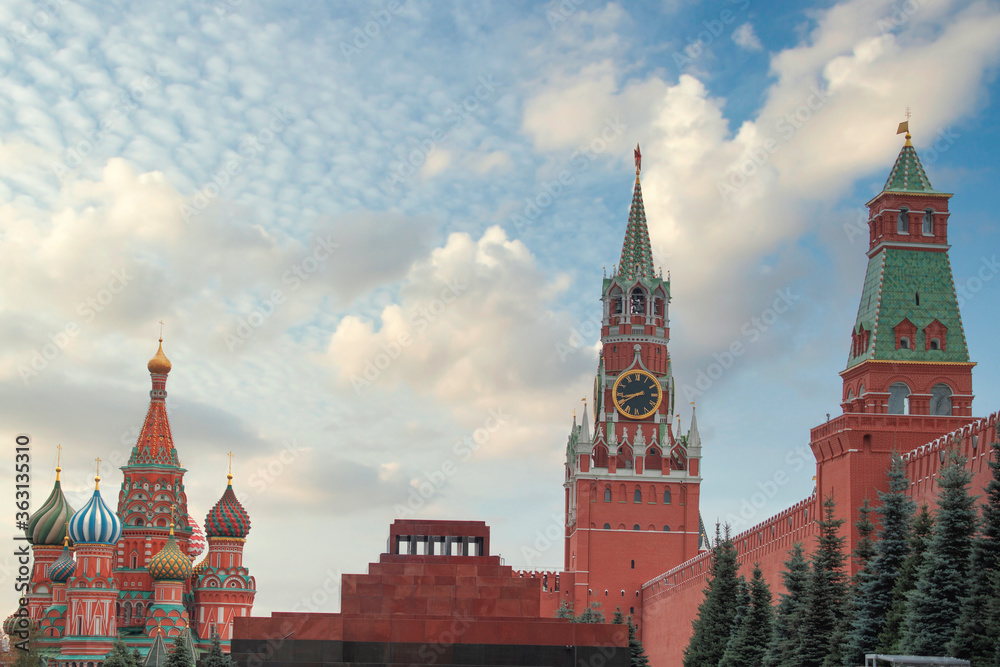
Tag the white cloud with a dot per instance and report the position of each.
(745, 37)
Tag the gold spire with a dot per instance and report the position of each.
(58, 461)
(97, 478)
(230, 475)
(159, 364)
(66, 536)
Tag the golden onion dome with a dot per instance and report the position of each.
(170, 563)
(159, 364)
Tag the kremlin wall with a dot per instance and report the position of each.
(634, 536)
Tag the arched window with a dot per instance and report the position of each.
(899, 399)
(633, 564)
(904, 343)
(941, 400)
(607, 526)
(607, 494)
(666, 529)
(903, 222)
(850, 394)
(928, 226)
(666, 496)
(935, 343)
(638, 302)
(636, 527)
(135, 561)
(637, 496)
(139, 522)
(616, 301)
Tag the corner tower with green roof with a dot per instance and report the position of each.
(908, 353)
(908, 378)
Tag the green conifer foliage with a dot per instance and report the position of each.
(618, 618)
(827, 591)
(179, 655)
(790, 614)
(120, 656)
(890, 639)
(638, 653)
(749, 645)
(979, 623)
(714, 623)
(215, 657)
(873, 589)
(934, 605)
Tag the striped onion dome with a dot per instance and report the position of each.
(8, 625)
(61, 570)
(228, 518)
(46, 526)
(95, 523)
(196, 543)
(171, 563)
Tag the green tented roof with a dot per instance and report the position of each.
(908, 174)
(895, 277)
(637, 255)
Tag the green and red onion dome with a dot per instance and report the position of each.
(46, 526)
(64, 567)
(228, 518)
(170, 563)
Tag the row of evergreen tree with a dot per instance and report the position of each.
(593, 614)
(924, 585)
(121, 656)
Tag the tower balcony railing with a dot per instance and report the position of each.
(860, 421)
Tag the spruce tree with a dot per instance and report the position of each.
(979, 623)
(178, 655)
(618, 618)
(934, 605)
(791, 611)
(890, 639)
(636, 650)
(120, 656)
(873, 589)
(739, 618)
(714, 623)
(749, 645)
(565, 610)
(827, 591)
(215, 657)
(592, 614)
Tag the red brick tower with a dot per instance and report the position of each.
(223, 587)
(632, 487)
(153, 486)
(908, 377)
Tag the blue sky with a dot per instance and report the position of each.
(370, 248)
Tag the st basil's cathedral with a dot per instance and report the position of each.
(100, 575)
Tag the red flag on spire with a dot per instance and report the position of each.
(638, 159)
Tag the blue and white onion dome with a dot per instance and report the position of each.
(95, 523)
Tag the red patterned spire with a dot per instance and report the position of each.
(155, 444)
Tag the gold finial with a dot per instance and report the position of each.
(638, 161)
(905, 127)
(58, 461)
(97, 478)
(230, 475)
(161, 331)
(66, 535)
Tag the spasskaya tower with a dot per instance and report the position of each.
(632, 480)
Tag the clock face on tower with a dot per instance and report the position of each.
(637, 394)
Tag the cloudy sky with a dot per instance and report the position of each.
(376, 234)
